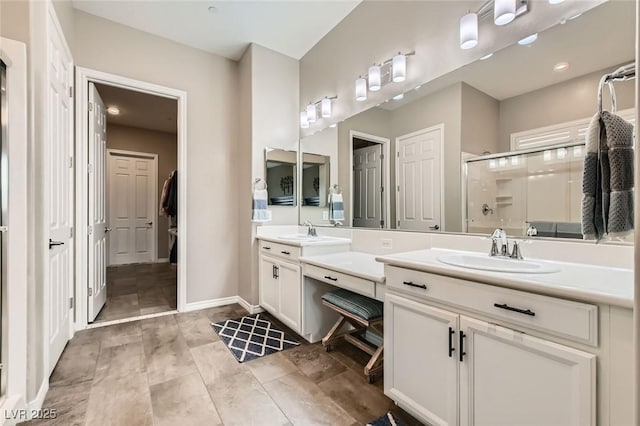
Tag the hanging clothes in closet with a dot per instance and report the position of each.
(169, 208)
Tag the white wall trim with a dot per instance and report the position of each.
(163, 260)
(154, 222)
(252, 309)
(36, 403)
(442, 183)
(83, 77)
(14, 346)
(211, 303)
(386, 172)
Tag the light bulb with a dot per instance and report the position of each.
(528, 40)
(375, 80)
(311, 113)
(304, 122)
(325, 108)
(399, 65)
(361, 89)
(469, 31)
(504, 11)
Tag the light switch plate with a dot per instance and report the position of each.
(387, 243)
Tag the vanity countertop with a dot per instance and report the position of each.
(590, 283)
(363, 265)
(321, 241)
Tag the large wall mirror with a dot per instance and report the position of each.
(281, 173)
(496, 143)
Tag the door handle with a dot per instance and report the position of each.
(435, 227)
(54, 243)
(150, 223)
(107, 229)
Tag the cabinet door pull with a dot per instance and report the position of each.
(273, 271)
(512, 309)
(461, 346)
(451, 348)
(266, 248)
(277, 272)
(412, 284)
(330, 278)
(285, 252)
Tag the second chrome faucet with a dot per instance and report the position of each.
(500, 245)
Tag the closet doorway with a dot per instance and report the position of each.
(134, 141)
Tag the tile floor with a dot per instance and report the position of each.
(140, 289)
(174, 370)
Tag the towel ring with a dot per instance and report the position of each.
(258, 181)
(605, 80)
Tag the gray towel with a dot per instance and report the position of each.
(607, 183)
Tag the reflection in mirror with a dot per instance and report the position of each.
(281, 176)
(316, 170)
(522, 99)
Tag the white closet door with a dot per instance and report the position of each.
(367, 187)
(132, 185)
(59, 190)
(97, 211)
(419, 180)
(509, 378)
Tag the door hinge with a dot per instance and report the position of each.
(89, 230)
(90, 291)
(382, 189)
(71, 303)
(382, 223)
(89, 168)
(90, 106)
(398, 224)
(398, 188)
(71, 162)
(70, 232)
(398, 154)
(382, 156)
(3, 229)
(71, 91)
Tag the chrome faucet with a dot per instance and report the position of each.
(499, 236)
(311, 229)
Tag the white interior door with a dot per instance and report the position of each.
(132, 184)
(97, 212)
(367, 187)
(419, 180)
(59, 178)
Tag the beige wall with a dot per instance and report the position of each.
(269, 114)
(574, 99)
(480, 116)
(165, 146)
(14, 20)
(212, 88)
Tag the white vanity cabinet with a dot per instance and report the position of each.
(280, 278)
(447, 366)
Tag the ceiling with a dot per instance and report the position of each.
(290, 27)
(140, 109)
(587, 43)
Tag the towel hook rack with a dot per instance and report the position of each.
(258, 181)
(624, 73)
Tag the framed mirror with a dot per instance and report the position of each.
(422, 160)
(281, 176)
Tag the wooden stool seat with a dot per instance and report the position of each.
(364, 315)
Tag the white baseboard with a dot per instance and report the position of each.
(211, 303)
(14, 411)
(252, 309)
(36, 404)
(163, 260)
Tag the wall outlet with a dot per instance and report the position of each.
(387, 243)
(325, 215)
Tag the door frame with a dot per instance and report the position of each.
(410, 135)
(386, 175)
(154, 226)
(83, 77)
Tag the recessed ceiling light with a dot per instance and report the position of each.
(486, 56)
(113, 110)
(398, 97)
(418, 87)
(528, 40)
(212, 10)
(561, 66)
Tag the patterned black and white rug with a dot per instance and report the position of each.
(387, 420)
(252, 336)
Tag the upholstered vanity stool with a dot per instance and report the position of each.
(365, 315)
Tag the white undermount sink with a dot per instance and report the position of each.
(498, 264)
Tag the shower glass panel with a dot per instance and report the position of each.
(517, 189)
(4, 162)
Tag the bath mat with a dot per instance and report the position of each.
(387, 420)
(253, 336)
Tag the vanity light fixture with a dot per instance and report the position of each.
(304, 122)
(375, 78)
(325, 108)
(555, 1)
(469, 31)
(528, 40)
(113, 110)
(504, 11)
(311, 113)
(361, 89)
(399, 68)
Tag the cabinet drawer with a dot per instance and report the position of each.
(280, 250)
(563, 318)
(349, 282)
